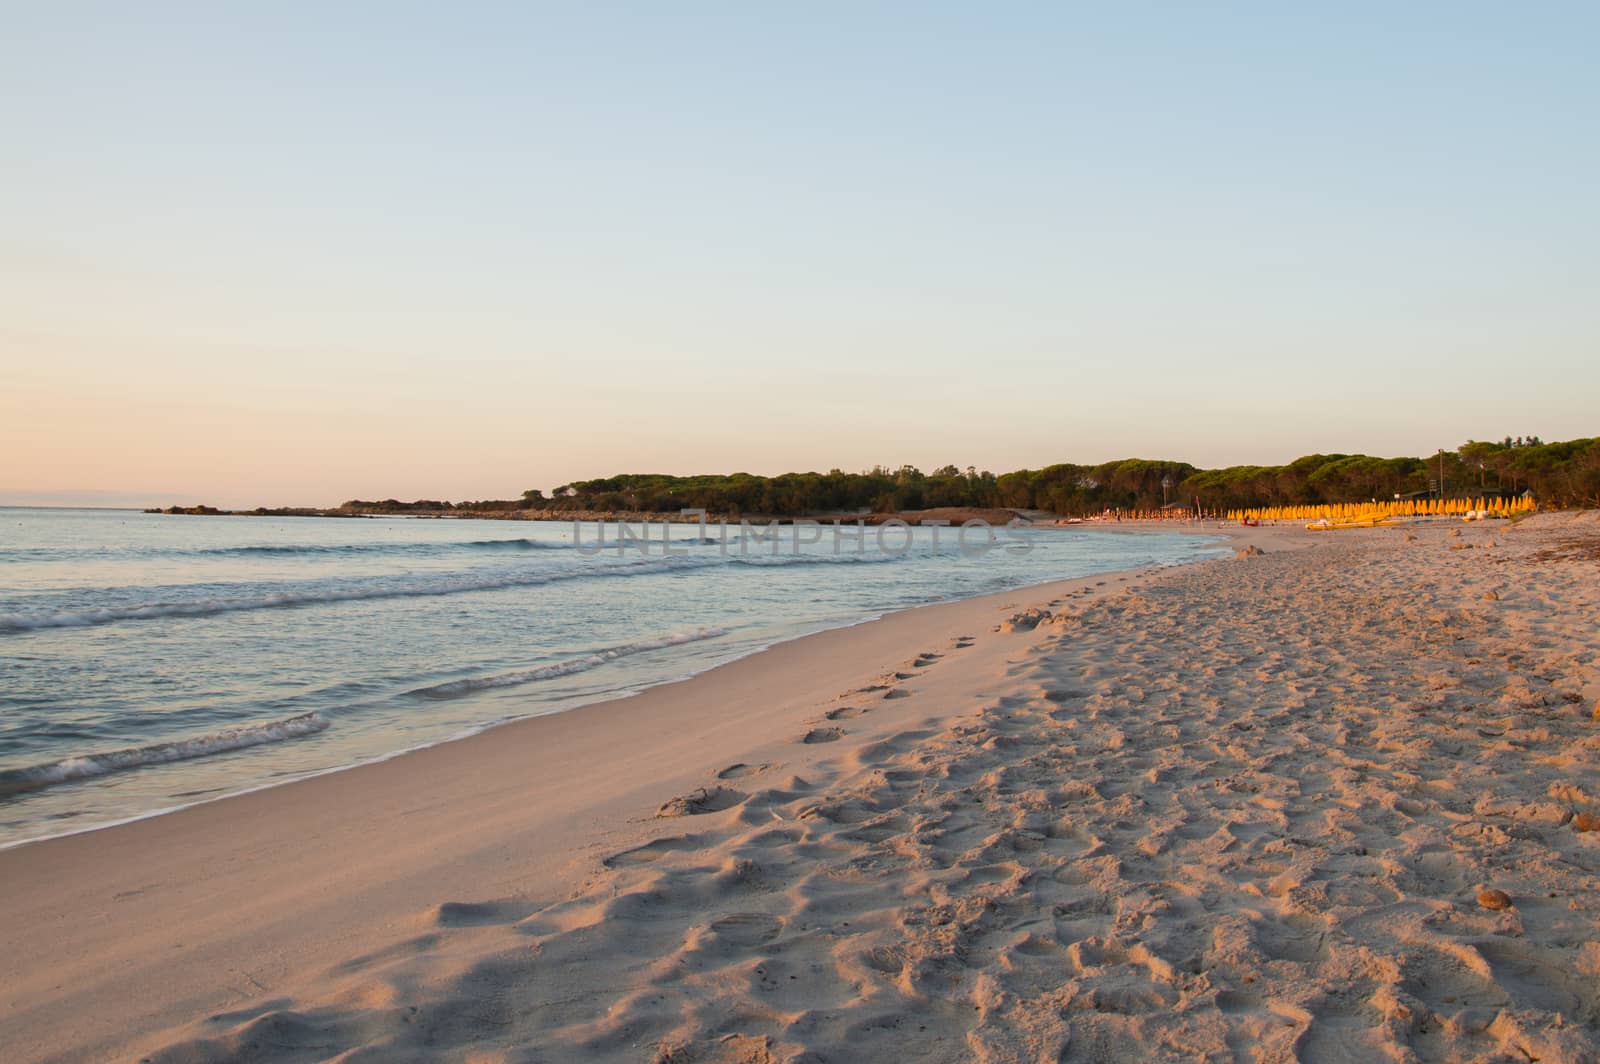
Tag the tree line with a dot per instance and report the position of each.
(1563, 474)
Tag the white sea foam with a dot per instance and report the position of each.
(37, 777)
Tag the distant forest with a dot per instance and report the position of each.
(1559, 475)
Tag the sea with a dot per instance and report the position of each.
(149, 661)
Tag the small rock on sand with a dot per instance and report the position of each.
(1409, 538)
(1490, 898)
(1026, 621)
(1586, 822)
(1492, 596)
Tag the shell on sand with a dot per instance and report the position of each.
(1492, 596)
(1491, 898)
(1586, 822)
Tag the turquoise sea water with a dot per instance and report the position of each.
(148, 662)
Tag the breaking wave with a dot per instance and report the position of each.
(31, 620)
(294, 550)
(456, 688)
(291, 550)
(37, 777)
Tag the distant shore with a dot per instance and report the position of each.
(954, 515)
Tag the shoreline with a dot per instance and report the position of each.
(1127, 528)
(520, 803)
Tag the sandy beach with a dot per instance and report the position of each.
(711, 535)
(1247, 809)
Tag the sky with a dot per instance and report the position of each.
(291, 253)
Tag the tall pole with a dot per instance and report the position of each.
(1441, 474)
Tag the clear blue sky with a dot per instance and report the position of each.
(294, 253)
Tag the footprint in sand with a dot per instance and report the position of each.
(651, 852)
(737, 931)
(740, 769)
(925, 659)
(846, 712)
(475, 914)
(896, 692)
(821, 735)
(1235, 1002)
(701, 800)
